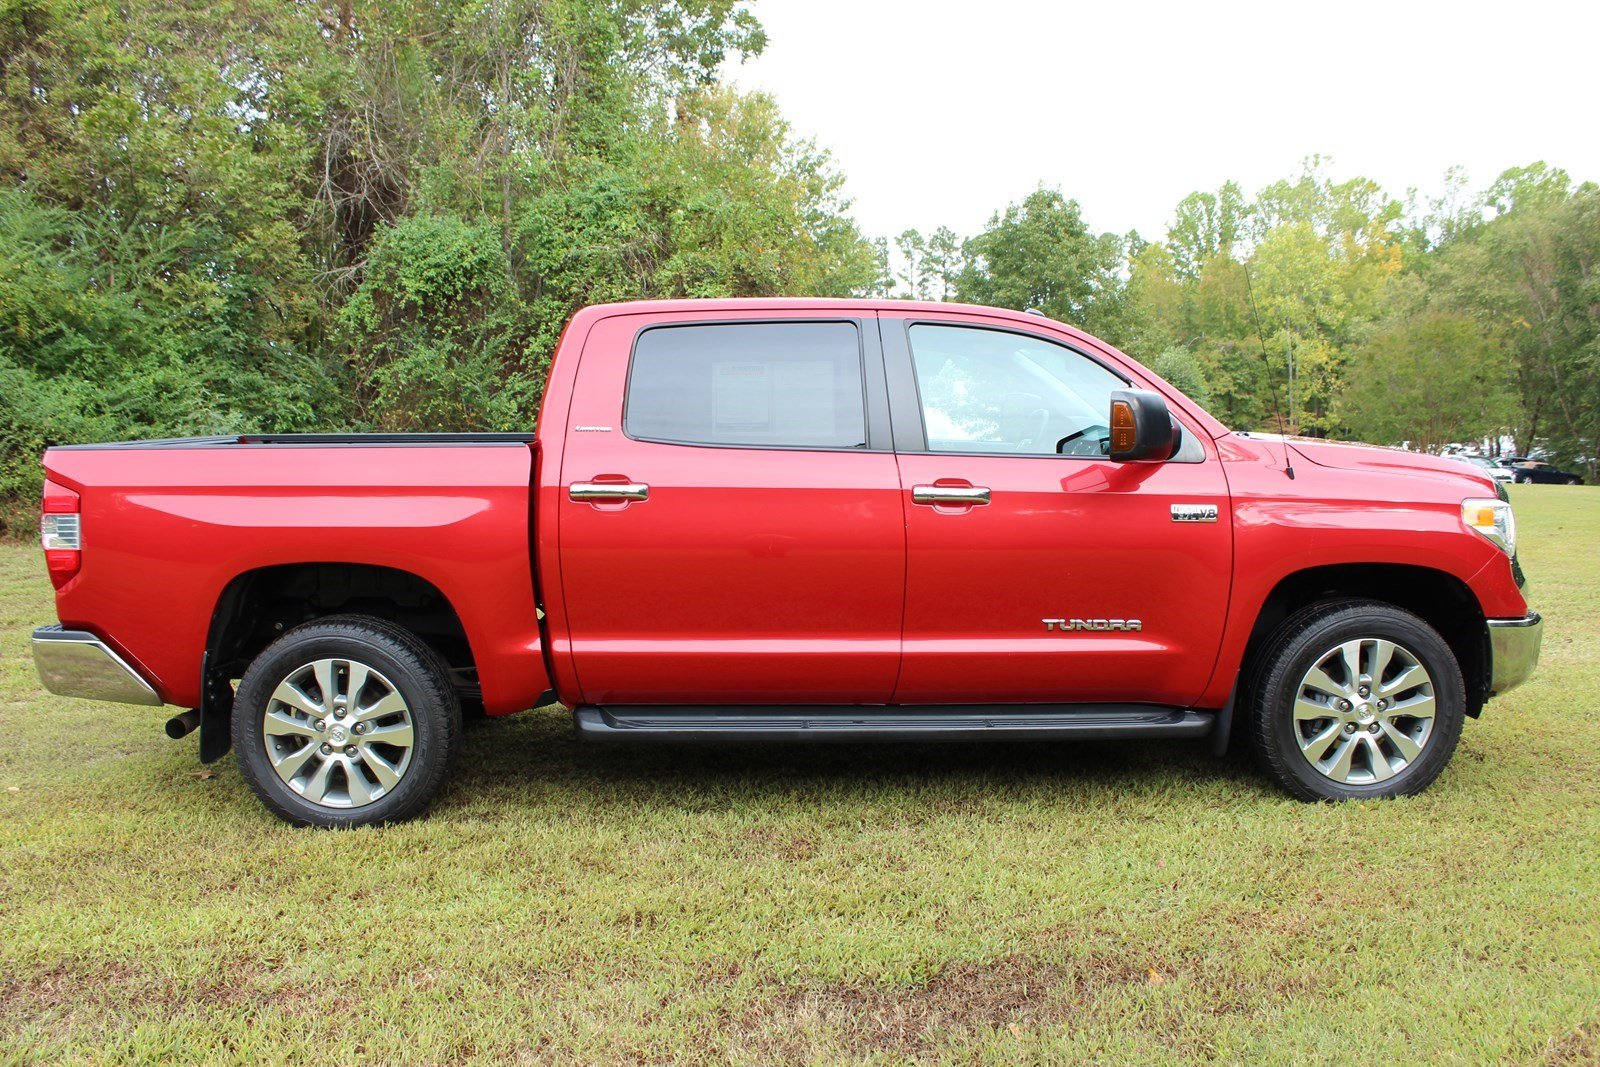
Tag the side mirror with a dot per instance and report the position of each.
(1141, 427)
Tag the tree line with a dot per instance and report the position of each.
(229, 215)
(220, 216)
(1430, 321)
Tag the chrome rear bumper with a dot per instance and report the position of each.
(1514, 650)
(73, 663)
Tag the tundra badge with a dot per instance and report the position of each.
(1093, 625)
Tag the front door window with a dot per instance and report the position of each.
(994, 392)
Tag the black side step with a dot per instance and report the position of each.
(1021, 722)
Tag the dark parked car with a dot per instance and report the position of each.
(1533, 470)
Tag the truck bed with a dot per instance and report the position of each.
(171, 529)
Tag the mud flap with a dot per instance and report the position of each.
(1222, 733)
(216, 713)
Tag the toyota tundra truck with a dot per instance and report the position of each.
(791, 520)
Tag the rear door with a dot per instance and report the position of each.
(731, 523)
(1037, 569)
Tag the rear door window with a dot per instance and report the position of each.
(759, 385)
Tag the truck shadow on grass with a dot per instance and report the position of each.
(502, 760)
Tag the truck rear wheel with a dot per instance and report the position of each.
(1356, 699)
(346, 721)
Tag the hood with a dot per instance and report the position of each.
(1347, 456)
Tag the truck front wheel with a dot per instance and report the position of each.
(346, 721)
(1356, 699)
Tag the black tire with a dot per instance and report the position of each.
(410, 667)
(1574, 481)
(1297, 645)
(1517, 479)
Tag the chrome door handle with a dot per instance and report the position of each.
(588, 492)
(949, 495)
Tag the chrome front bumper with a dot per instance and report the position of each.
(73, 663)
(1513, 650)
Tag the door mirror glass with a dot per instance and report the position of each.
(1141, 427)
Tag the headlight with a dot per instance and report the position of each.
(1493, 519)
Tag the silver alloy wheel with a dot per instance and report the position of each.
(1364, 711)
(338, 733)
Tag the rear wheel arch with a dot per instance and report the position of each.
(1437, 597)
(258, 606)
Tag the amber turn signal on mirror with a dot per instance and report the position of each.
(1123, 433)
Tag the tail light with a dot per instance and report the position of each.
(61, 533)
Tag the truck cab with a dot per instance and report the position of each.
(800, 520)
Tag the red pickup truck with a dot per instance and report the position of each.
(796, 520)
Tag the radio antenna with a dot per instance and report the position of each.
(1261, 339)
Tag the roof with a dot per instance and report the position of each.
(818, 303)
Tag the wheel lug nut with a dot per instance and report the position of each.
(1364, 691)
(326, 748)
(1344, 705)
(339, 713)
(1349, 727)
(1372, 729)
(322, 724)
(360, 728)
(349, 750)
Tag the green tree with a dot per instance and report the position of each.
(1039, 253)
(1530, 277)
(1294, 277)
(225, 215)
(1180, 368)
(1207, 226)
(436, 327)
(929, 265)
(1427, 378)
(943, 263)
(911, 253)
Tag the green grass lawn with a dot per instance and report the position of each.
(1008, 903)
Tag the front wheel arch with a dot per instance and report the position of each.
(1440, 599)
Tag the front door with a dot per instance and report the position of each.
(1037, 569)
(734, 532)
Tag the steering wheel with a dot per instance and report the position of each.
(1063, 450)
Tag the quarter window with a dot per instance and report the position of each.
(991, 391)
(775, 385)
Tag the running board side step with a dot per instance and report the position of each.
(1022, 722)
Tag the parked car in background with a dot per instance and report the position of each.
(1493, 467)
(791, 520)
(1537, 471)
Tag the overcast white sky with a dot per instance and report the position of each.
(940, 113)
